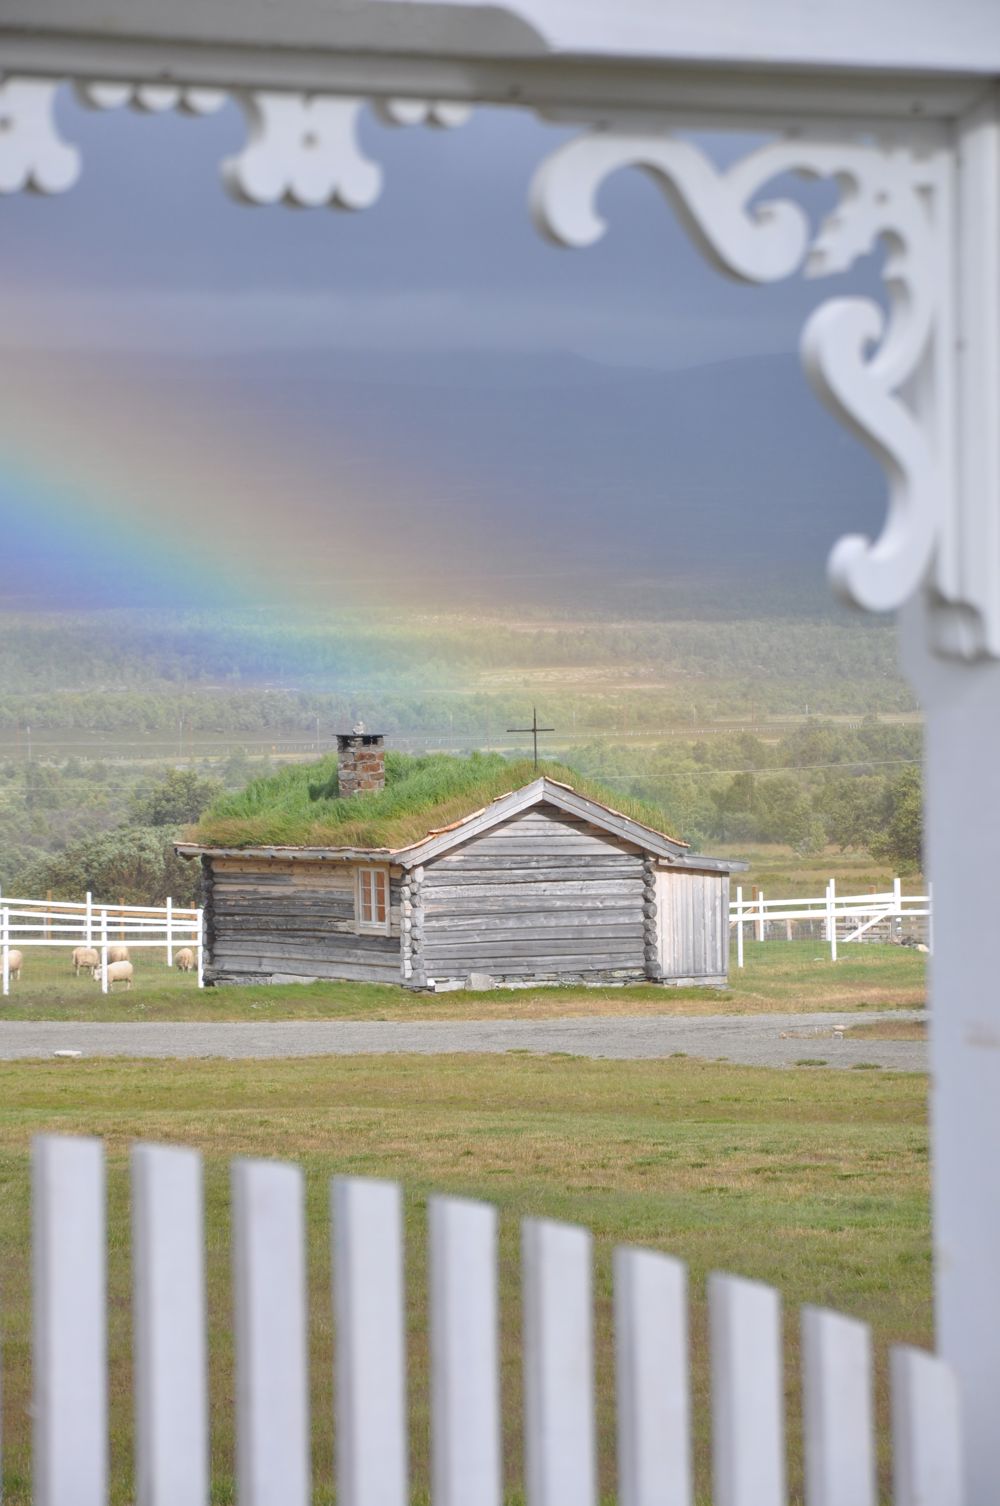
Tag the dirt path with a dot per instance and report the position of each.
(753, 1040)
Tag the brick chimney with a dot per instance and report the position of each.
(360, 761)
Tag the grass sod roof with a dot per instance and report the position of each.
(298, 807)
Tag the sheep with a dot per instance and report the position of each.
(184, 959)
(118, 954)
(14, 960)
(84, 957)
(118, 972)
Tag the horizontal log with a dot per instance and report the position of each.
(441, 894)
(627, 949)
(513, 920)
(377, 949)
(442, 937)
(527, 845)
(474, 862)
(591, 899)
(240, 971)
(543, 969)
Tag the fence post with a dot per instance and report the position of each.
(760, 915)
(201, 947)
(48, 915)
(739, 925)
(831, 917)
(121, 917)
(897, 905)
(6, 950)
(90, 918)
(104, 950)
(170, 934)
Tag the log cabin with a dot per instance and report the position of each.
(544, 884)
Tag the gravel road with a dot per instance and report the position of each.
(774, 1040)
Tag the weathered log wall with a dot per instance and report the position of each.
(542, 897)
(282, 919)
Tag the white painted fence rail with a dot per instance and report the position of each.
(71, 1408)
(75, 923)
(855, 914)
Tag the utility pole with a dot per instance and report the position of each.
(534, 729)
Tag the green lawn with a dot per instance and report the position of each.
(778, 976)
(814, 1181)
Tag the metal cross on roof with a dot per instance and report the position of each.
(534, 729)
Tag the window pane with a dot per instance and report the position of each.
(380, 896)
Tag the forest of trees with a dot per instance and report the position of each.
(74, 825)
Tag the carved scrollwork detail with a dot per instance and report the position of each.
(32, 153)
(304, 152)
(864, 365)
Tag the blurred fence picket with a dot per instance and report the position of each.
(270, 1301)
(171, 1380)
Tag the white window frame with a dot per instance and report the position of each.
(362, 877)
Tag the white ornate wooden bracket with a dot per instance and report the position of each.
(887, 376)
(32, 153)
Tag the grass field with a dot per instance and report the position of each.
(816, 1182)
(779, 976)
(784, 873)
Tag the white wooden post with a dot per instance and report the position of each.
(5, 933)
(200, 948)
(897, 906)
(170, 936)
(739, 925)
(89, 921)
(760, 915)
(831, 917)
(104, 951)
(961, 703)
(69, 1285)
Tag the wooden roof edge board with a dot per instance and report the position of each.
(285, 854)
(709, 865)
(540, 791)
(859, 35)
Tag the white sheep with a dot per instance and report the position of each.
(84, 957)
(184, 959)
(14, 960)
(118, 954)
(118, 972)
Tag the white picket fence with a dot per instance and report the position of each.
(856, 913)
(270, 1317)
(69, 923)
